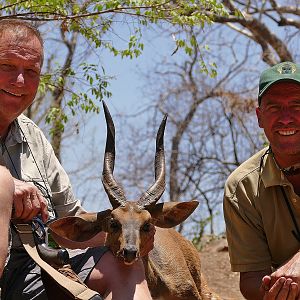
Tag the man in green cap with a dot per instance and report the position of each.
(262, 196)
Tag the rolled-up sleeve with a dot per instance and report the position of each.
(248, 247)
(62, 194)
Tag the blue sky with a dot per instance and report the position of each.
(127, 98)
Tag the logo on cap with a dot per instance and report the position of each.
(287, 68)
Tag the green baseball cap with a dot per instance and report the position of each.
(280, 72)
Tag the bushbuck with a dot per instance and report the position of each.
(172, 267)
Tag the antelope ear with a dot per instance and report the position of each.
(79, 228)
(170, 214)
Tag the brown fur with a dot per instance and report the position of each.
(172, 268)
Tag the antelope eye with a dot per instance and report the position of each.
(146, 227)
(114, 225)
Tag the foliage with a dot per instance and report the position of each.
(92, 20)
(97, 89)
(175, 12)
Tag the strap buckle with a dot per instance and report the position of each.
(23, 228)
(38, 229)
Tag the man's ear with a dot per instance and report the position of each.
(80, 228)
(258, 115)
(170, 214)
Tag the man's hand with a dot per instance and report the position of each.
(284, 283)
(290, 269)
(282, 289)
(28, 202)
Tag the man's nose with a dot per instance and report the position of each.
(286, 117)
(19, 79)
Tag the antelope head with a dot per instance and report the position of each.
(129, 224)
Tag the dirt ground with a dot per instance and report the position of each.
(216, 268)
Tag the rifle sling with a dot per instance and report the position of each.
(77, 290)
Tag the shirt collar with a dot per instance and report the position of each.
(270, 173)
(14, 135)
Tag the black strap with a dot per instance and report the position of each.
(297, 232)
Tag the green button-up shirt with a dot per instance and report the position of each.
(258, 222)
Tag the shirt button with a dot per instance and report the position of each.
(294, 200)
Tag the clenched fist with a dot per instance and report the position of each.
(28, 202)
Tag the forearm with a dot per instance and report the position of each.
(290, 269)
(3, 244)
(250, 283)
(6, 200)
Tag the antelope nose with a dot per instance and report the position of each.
(130, 254)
